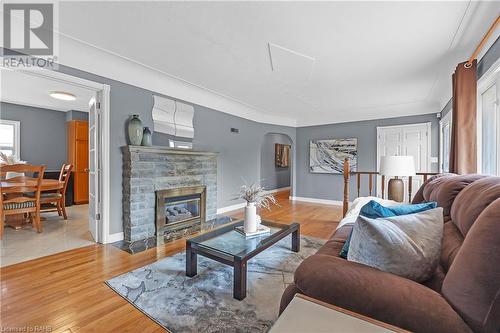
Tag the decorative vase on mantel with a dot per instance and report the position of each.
(147, 139)
(250, 223)
(135, 130)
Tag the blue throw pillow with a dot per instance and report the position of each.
(375, 210)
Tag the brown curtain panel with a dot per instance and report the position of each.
(463, 150)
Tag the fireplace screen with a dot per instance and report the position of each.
(179, 208)
(182, 209)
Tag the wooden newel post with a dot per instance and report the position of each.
(345, 204)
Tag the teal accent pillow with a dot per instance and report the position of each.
(375, 210)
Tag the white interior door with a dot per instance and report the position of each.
(95, 168)
(408, 140)
(444, 142)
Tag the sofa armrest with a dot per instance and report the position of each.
(376, 294)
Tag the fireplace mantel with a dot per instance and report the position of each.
(150, 169)
(167, 150)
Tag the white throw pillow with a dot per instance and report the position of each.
(405, 245)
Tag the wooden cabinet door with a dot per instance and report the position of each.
(82, 172)
(78, 154)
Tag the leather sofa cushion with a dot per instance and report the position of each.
(472, 284)
(436, 281)
(331, 248)
(376, 294)
(444, 190)
(342, 233)
(452, 240)
(473, 200)
(419, 196)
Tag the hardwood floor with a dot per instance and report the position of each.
(65, 292)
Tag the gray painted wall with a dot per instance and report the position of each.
(489, 58)
(239, 154)
(272, 177)
(330, 186)
(43, 134)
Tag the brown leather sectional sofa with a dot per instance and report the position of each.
(464, 293)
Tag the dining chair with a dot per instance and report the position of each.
(16, 198)
(58, 198)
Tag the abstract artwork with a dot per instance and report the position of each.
(327, 156)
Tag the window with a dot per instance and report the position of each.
(445, 139)
(9, 138)
(489, 124)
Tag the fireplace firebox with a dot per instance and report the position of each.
(179, 209)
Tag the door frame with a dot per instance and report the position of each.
(447, 119)
(104, 235)
(488, 79)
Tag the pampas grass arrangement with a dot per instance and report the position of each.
(256, 194)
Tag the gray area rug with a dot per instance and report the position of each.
(205, 302)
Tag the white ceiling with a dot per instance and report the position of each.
(354, 60)
(29, 89)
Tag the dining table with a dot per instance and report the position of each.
(18, 222)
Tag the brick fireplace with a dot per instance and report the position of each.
(181, 179)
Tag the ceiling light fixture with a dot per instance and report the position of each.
(65, 96)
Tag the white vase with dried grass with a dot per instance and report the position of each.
(256, 196)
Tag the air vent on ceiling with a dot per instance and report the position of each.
(290, 65)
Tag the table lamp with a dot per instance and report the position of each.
(396, 166)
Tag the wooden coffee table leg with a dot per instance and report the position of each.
(240, 280)
(296, 240)
(191, 261)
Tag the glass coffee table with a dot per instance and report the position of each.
(229, 247)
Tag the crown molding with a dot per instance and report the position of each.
(373, 113)
(89, 58)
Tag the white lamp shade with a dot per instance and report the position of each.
(399, 166)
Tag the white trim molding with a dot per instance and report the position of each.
(243, 204)
(230, 208)
(318, 201)
(281, 189)
(17, 136)
(103, 233)
(115, 237)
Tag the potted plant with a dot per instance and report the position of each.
(256, 196)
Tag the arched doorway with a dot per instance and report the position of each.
(272, 176)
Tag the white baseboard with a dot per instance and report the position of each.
(242, 204)
(230, 208)
(320, 201)
(281, 189)
(114, 237)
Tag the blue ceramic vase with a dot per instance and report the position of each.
(147, 137)
(135, 130)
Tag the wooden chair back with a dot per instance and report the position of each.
(18, 196)
(65, 175)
